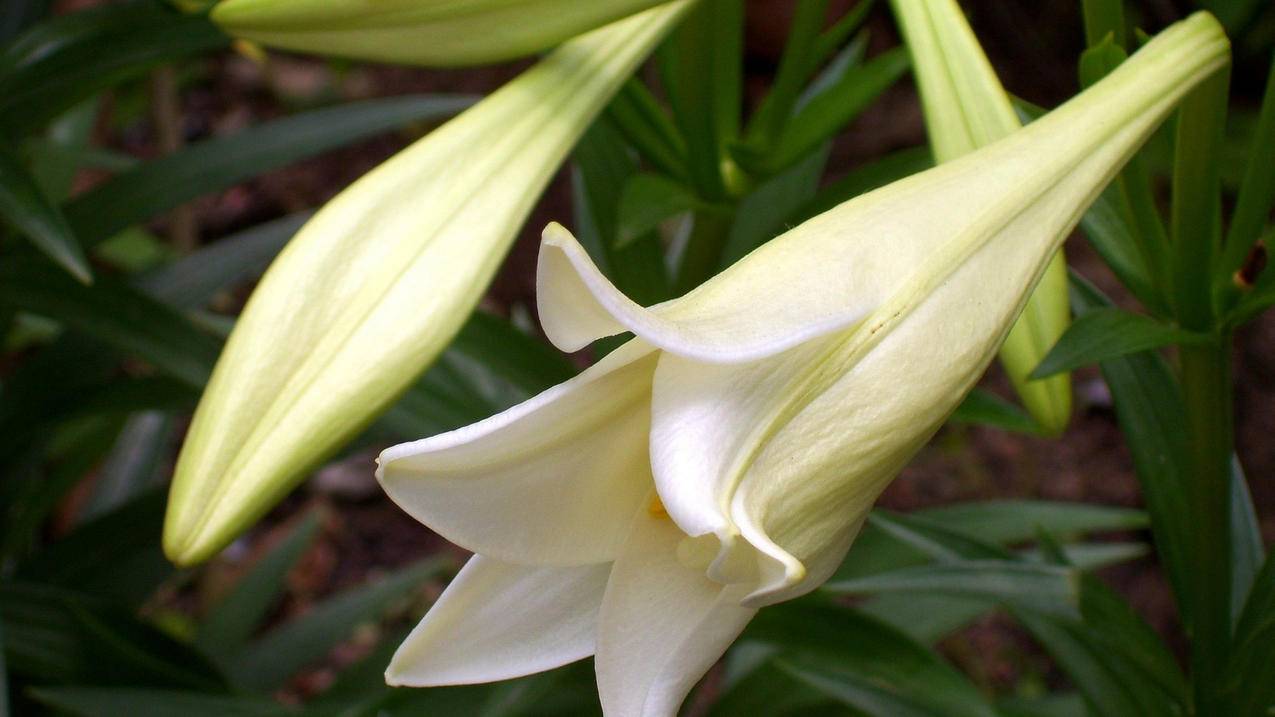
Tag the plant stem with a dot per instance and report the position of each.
(1206, 387)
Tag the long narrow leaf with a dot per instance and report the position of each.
(227, 628)
(217, 163)
(1104, 334)
(24, 206)
(134, 702)
(57, 63)
(114, 313)
(270, 661)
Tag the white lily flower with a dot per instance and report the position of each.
(725, 458)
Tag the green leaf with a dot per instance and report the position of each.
(225, 630)
(646, 201)
(891, 167)
(768, 690)
(1151, 415)
(1116, 626)
(57, 157)
(67, 637)
(1099, 60)
(134, 702)
(114, 313)
(73, 450)
(1115, 658)
(795, 65)
(1045, 588)
(1247, 551)
(138, 461)
(1110, 333)
(862, 662)
(59, 62)
(997, 522)
(1094, 671)
(984, 408)
(1013, 521)
(23, 205)
(269, 661)
(1103, 19)
(642, 120)
(934, 540)
(700, 66)
(767, 211)
(832, 38)
(191, 282)
(828, 113)
(927, 618)
(604, 169)
(46, 387)
(1251, 689)
(1067, 704)
(1107, 227)
(1256, 195)
(116, 556)
(220, 162)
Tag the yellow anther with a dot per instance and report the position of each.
(656, 507)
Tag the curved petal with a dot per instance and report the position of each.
(551, 481)
(707, 422)
(496, 621)
(760, 307)
(662, 625)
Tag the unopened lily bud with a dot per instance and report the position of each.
(966, 108)
(420, 32)
(378, 282)
(725, 458)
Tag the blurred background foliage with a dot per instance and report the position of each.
(150, 168)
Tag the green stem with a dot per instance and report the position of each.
(1206, 387)
(703, 251)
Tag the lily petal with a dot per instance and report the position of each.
(551, 481)
(496, 621)
(662, 625)
(760, 310)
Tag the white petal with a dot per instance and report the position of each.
(707, 422)
(759, 308)
(551, 481)
(496, 621)
(662, 625)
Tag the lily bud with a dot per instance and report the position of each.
(420, 32)
(966, 108)
(725, 458)
(375, 285)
